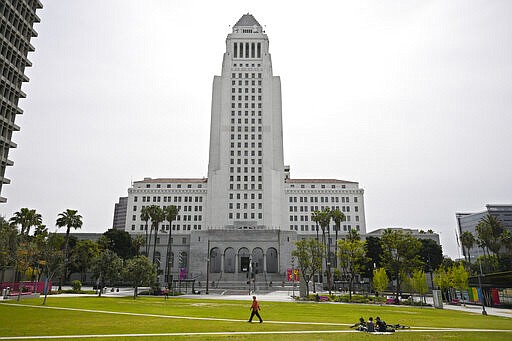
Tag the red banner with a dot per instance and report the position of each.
(292, 275)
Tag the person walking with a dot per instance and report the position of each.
(255, 308)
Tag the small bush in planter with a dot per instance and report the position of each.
(76, 285)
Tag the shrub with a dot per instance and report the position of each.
(76, 285)
(355, 299)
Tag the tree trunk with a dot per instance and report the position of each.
(351, 278)
(168, 266)
(154, 245)
(147, 239)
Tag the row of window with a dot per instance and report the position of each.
(246, 82)
(245, 186)
(245, 75)
(306, 218)
(313, 228)
(246, 90)
(184, 217)
(245, 161)
(245, 215)
(245, 105)
(246, 145)
(168, 199)
(245, 196)
(322, 199)
(177, 186)
(246, 169)
(245, 206)
(246, 113)
(246, 65)
(244, 178)
(253, 121)
(245, 128)
(185, 208)
(315, 208)
(314, 186)
(175, 227)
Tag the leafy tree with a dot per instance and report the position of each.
(70, 219)
(82, 256)
(380, 280)
(26, 255)
(442, 280)
(431, 254)
(373, 255)
(52, 260)
(459, 278)
(118, 241)
(107, 267)
(351, 253)
(467, 240)
(8, 245)
(170, 213)
(419, 283)
(309, 256)
(400, 255)
(26, 218)
(139, 271)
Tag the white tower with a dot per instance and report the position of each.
(246, 167)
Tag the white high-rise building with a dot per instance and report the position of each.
(246, 168)
(248, 211)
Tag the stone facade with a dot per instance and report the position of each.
(247, 215)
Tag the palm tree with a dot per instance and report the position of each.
(337, 216)
(157, 216)
(171, 212)
(26, 218)
(70, 219)
(315, 216)
(467, 240)
(138, 241)
(324, 218)
(489, 231)
(144, 215)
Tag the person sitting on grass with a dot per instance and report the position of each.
(370, 326)
(361, 325)
(382, 327)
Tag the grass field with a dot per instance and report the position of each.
(154, 318)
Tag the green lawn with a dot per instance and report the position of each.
(24, 320)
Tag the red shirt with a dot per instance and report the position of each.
(255, 305)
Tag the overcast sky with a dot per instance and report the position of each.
(412, 99)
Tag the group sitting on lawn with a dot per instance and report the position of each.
(377, 326)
